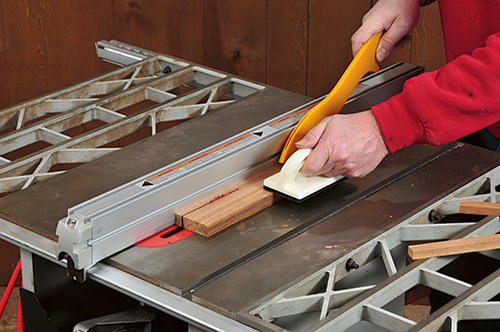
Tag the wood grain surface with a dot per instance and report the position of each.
(481, 208)
(4, 84)
(229, 206)
(236, 37)
(173, 27)
(331, 24)
(454, 247)
(287, 24)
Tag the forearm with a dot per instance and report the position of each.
(447, 104)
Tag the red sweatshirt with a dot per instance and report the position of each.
(461, 97)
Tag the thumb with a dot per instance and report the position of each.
(312, 137)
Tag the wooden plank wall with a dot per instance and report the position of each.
(297, 45)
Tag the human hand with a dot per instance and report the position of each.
(351, 145)
(396, 17)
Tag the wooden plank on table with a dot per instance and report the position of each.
(331, 25)
(461, 246)
(174, 27)
(481, 208)
(236, 37)
(454, 247)
(287, 44)
(229, 206)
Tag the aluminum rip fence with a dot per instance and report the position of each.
(332, 299)
(49, 135)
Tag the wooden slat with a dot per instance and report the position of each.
(174, 27)
(229, 206)
(236, 37)
(454, 247)
(287, 44)
(481, 208)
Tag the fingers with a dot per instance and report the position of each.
(362, 35)
(310, 141)
(396, 18)
(322, 158)
(350, 145)
(318, 161)
(313, 136)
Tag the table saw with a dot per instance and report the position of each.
(160, 134)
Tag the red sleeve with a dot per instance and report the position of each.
(439, 107)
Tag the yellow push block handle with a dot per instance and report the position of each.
(364, 62)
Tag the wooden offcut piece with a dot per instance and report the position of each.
(461, 246)
(454, 247)
(229, 206)
(481, 208)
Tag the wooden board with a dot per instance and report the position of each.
(299, 46)
(229, 206)
(481, 208)
(461, 246)
(454, 247)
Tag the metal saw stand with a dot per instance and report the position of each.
(336, 262)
